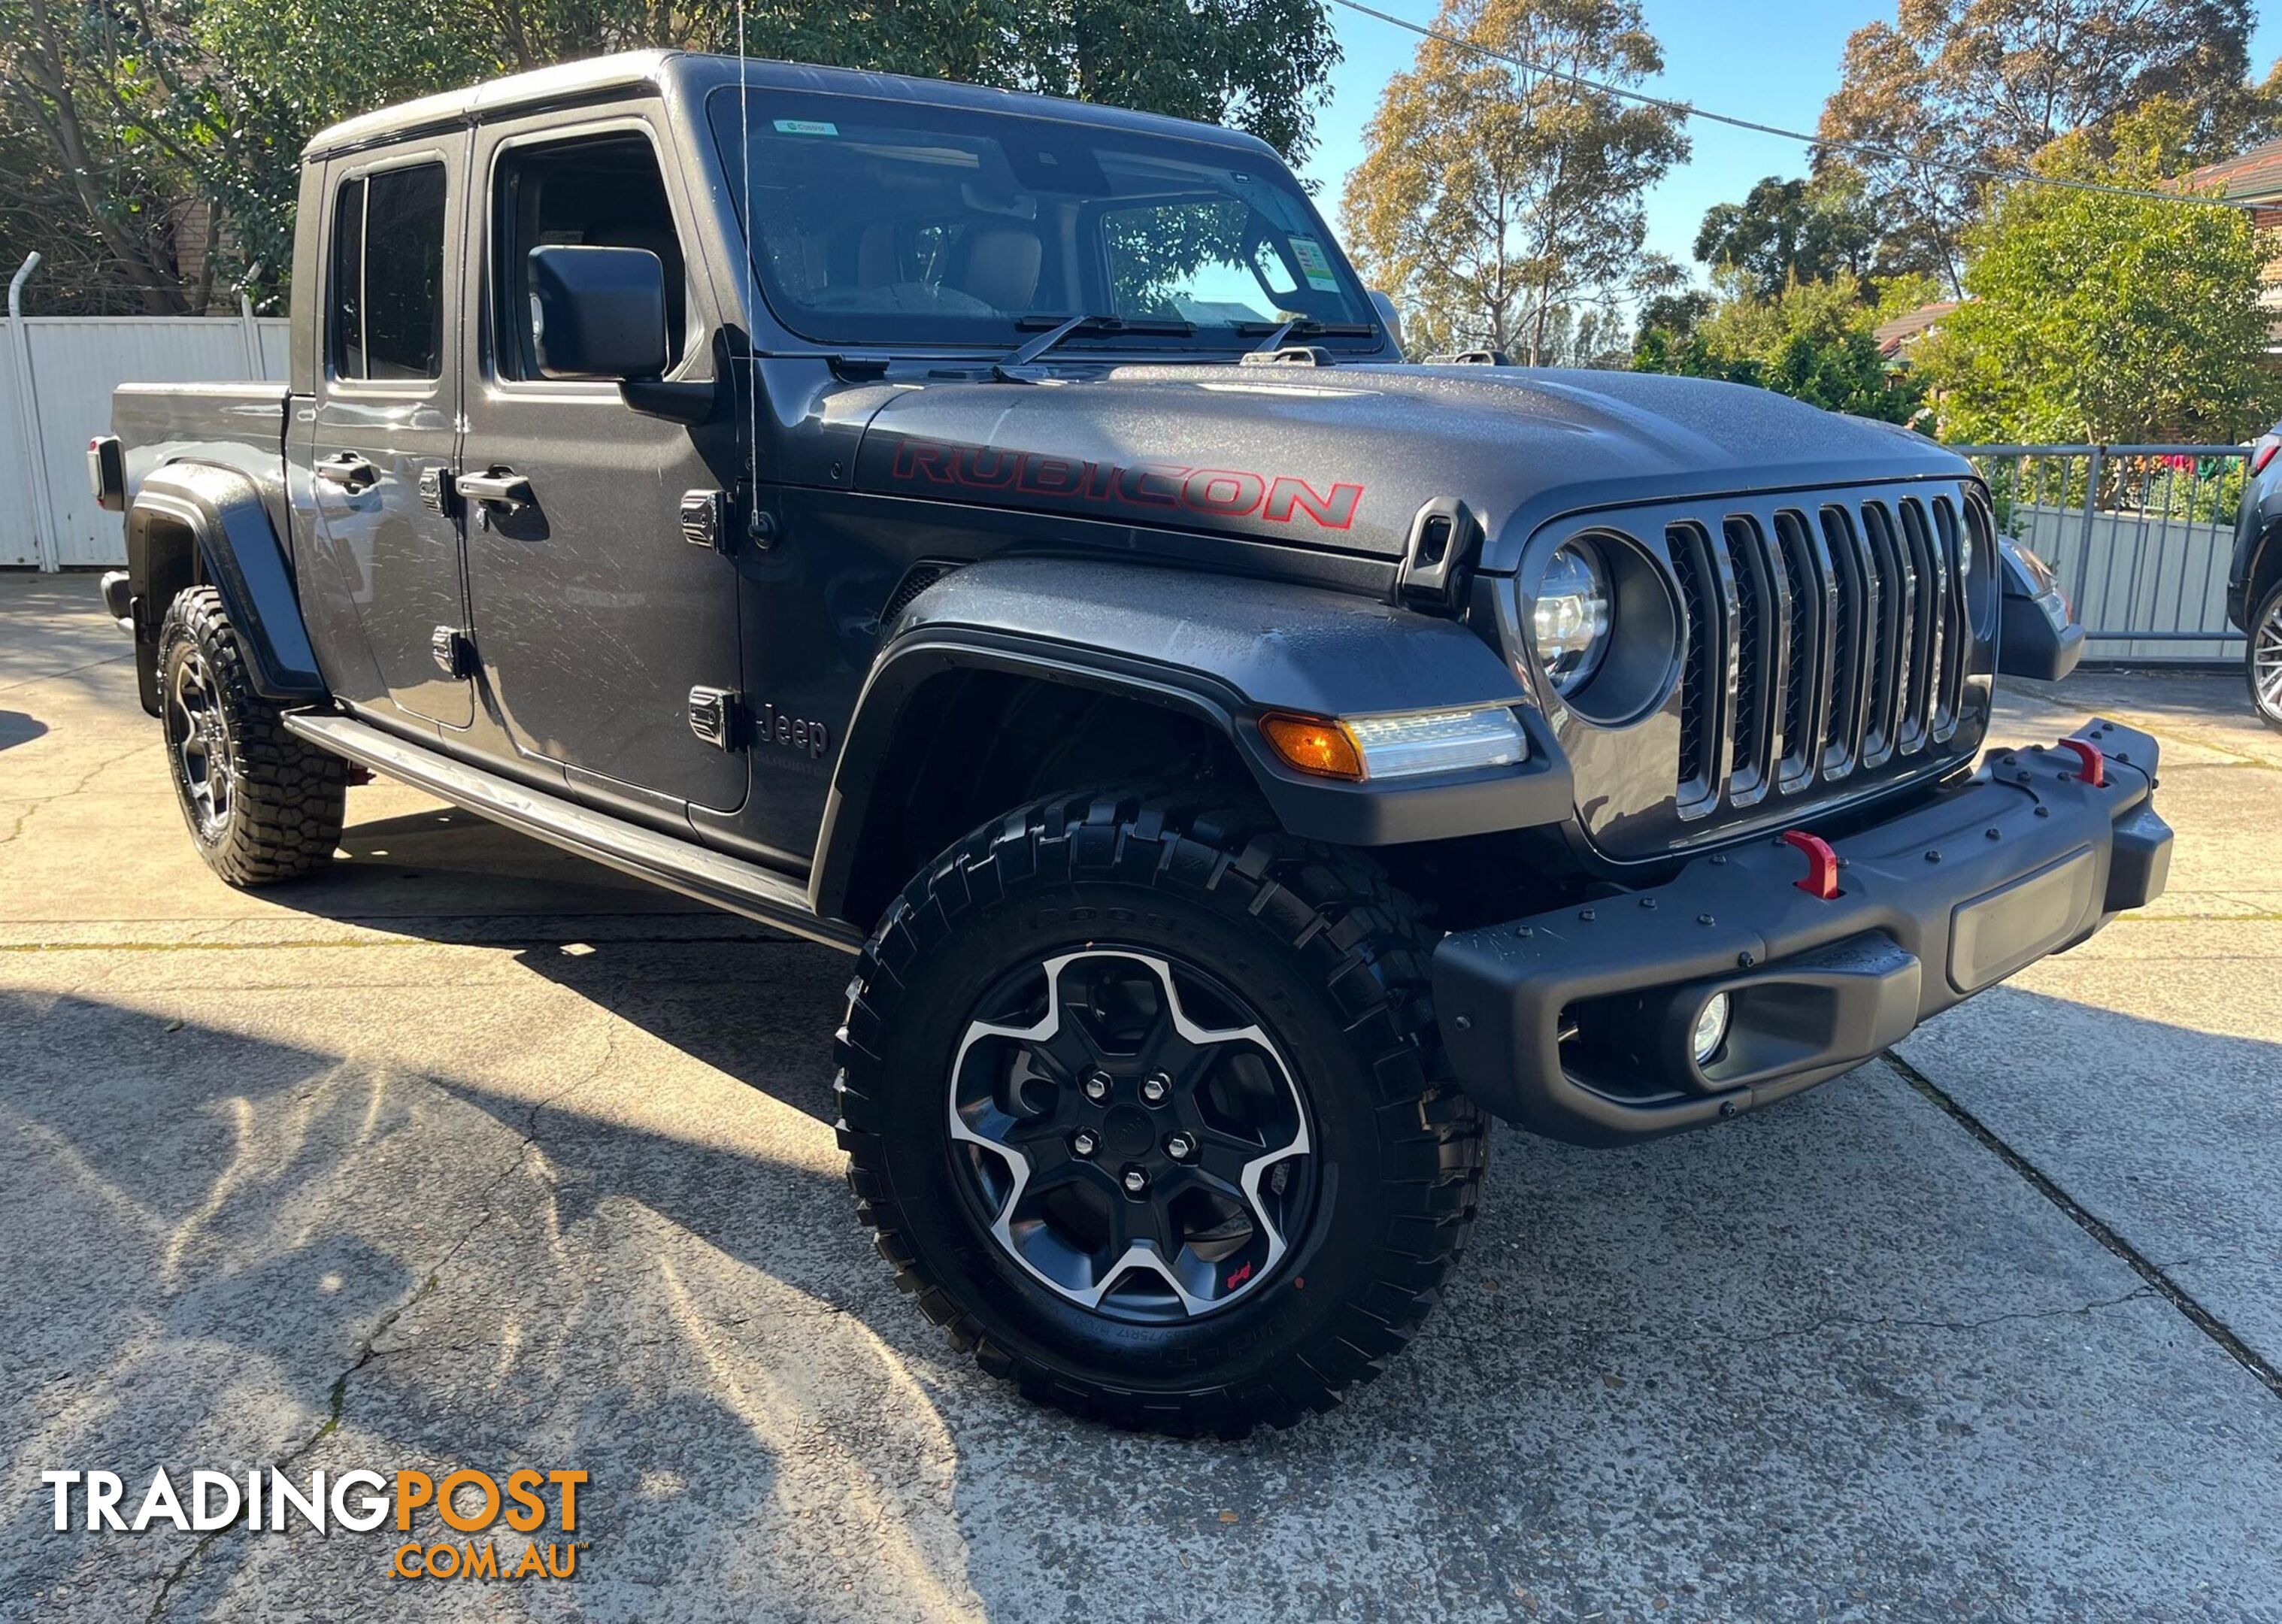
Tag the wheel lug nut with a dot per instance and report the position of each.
(1096, 1087)
(1084, 1143)
(1136, 1181)
(1155, 1086)
(1180, 1147)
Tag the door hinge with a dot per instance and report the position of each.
(436, 489)
(716, 715)
(705, 519)
(454, 652)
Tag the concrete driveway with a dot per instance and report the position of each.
(475, 1155)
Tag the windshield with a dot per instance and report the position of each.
(884, 222)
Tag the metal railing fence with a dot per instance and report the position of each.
(2140, 536)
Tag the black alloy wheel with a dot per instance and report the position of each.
(1130, 1135)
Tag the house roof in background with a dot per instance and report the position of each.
(2255, 175)
(1894, 335)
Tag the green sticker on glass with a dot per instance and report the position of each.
(1314, 264)
(807, 127)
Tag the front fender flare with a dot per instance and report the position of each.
(1221, 649)
(244, 558)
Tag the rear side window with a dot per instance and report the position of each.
(387, 306)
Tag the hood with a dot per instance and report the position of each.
(1344, 457)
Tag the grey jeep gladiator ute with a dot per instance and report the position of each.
(999, 538)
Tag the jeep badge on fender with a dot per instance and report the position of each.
(1239, 762)
(810, 739)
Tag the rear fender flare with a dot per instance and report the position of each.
(240, 553)
(1221, 650)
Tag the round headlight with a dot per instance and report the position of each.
(1571, 614)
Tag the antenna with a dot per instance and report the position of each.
(753, 521)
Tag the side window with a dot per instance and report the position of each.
(387, 305)
(347, 343)
(603, 192)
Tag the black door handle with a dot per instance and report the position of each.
(500, 489)
(347, 470)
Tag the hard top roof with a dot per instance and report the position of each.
(690, 72)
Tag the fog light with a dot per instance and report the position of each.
(1710, 1028)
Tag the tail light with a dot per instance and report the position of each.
(106, 472)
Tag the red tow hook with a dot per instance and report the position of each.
(1822, 864)
(2095, 765)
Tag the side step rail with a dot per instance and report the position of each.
(681, 866)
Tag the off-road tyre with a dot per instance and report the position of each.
(2262, 662)
(1330, 957)
(284, 802)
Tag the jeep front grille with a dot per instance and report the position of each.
(1818, 642)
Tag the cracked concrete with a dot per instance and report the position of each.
(472, 1154)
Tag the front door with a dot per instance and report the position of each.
(386, 418)
(593, 617)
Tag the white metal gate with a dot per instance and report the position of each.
(56, 373)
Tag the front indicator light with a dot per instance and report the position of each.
(1312, 745)
(1710, 1028)
(1408, 745)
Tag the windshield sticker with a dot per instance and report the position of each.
(807, 127)
(1314, 264)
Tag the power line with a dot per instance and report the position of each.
(1866, 149)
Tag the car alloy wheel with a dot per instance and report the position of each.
(1128, 1133)
(200, 737)
(2266, 659)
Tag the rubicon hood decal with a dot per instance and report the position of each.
(1347, 468)
(1148, 487)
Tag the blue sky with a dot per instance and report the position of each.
(1774, 61)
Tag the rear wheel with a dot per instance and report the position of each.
(1141, 1100)
(261, 804)
(2264, 660)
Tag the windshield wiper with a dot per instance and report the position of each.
(1301, 327)
(1069, 328)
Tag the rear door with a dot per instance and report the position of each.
(386, 416)
(594, 618)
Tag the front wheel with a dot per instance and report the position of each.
(2263, 663)
(1141, 1100)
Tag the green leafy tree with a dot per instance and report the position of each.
(1951, 85)
(1811, 340)
(2095, 318)
(1491, 200)
(1795, 230)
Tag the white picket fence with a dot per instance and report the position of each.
(56, 373)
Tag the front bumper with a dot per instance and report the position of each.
(1575, 1022)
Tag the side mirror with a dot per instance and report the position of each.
(598, 312)
(2039, 637)
(1391, 317)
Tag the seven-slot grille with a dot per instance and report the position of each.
(1818, 642)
